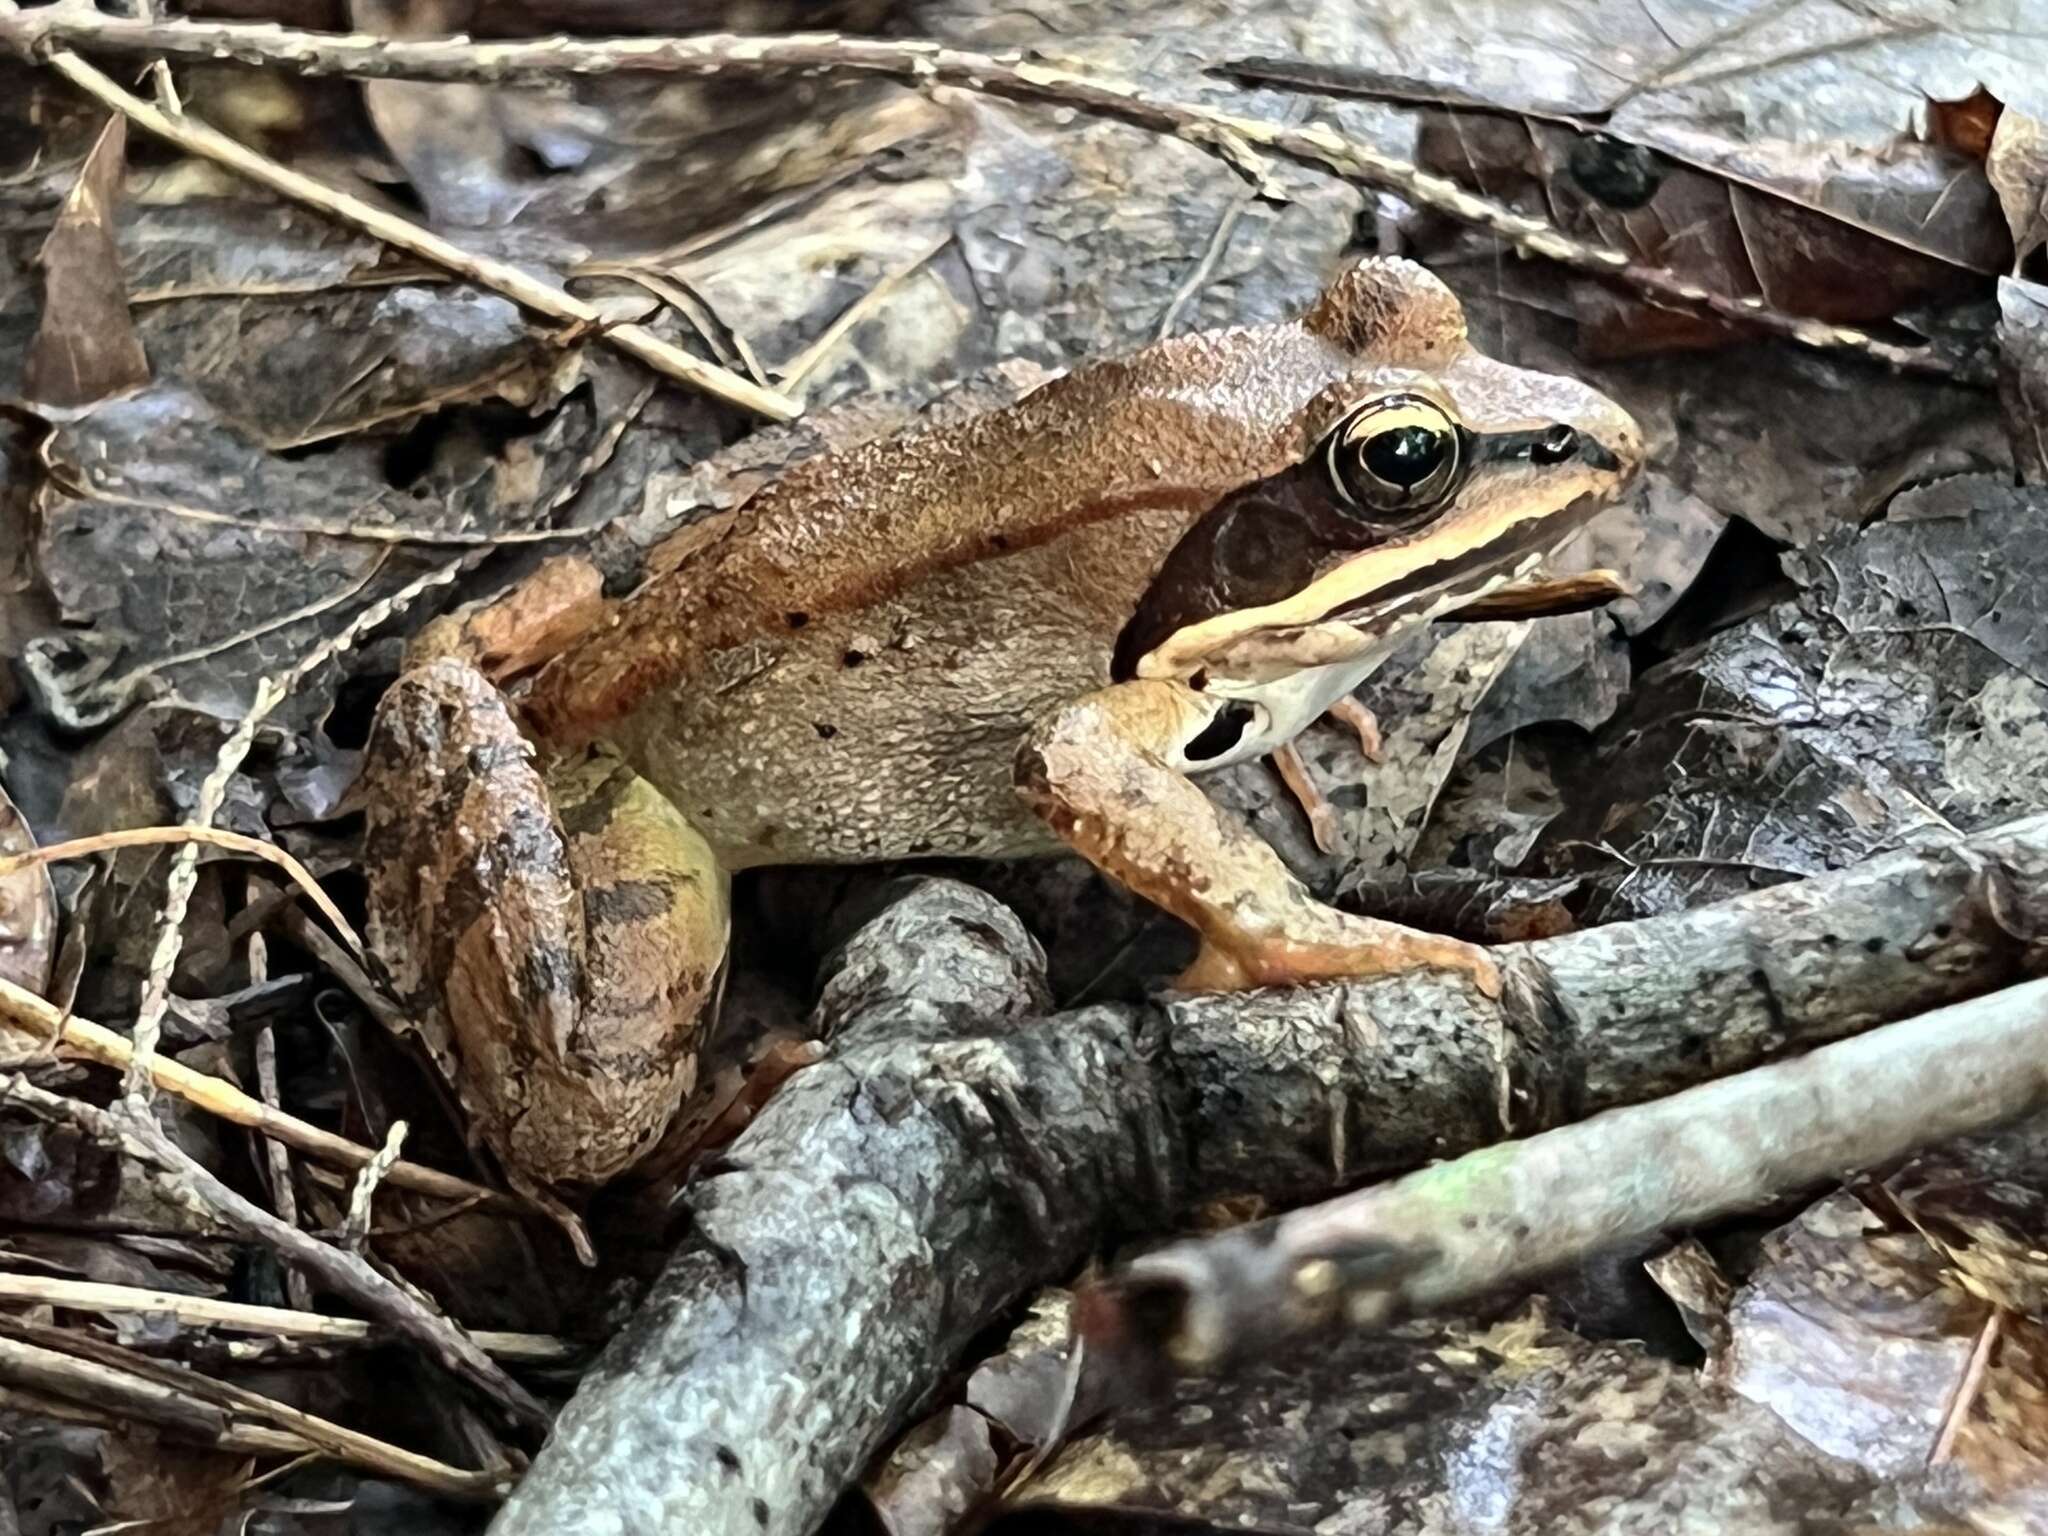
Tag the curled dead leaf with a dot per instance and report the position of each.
(28, 908)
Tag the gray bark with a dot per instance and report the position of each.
(960, 1148)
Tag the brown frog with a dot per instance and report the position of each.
(982, 637)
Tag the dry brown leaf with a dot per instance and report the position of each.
(86, 347)
(937, 1473)
(173, 1490)
(449, 138)
(2023, 374)
(28, 908)
(1964, 124)
(2017, 165)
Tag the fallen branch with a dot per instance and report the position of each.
(80, 1039)
(133, 1130)
(246, 1317)
(1511, 1213)
(41, 33)
(955, 1152)
(502, 277)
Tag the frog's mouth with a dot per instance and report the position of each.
(1455, 588)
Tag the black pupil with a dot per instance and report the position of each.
(1405, 456)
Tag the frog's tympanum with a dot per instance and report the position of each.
(982, 637)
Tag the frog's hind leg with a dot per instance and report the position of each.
(559, 937)
(1100, 772)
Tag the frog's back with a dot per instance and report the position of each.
(842, 669)
(889, 732)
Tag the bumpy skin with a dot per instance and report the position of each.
(557, 937)
(843, 670)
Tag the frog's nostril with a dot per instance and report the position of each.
(1555, 446)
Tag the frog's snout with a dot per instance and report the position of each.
(1611, 442)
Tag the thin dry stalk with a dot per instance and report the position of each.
(38, 34)
(212, 837)
(246, 1317)
(83, 1040)
(362, 1199)
(133, 1129)
(100, 1374)
(515, 283)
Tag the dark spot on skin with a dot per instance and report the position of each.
(626, 901)
(825, 732)
(796, 620)
(1831, 940)
(1029, 770)
(853, 658)
(547, 970)
(1873, 946)
(592, 813)
(987, 937)
(1221, 733)
(1942, 930)
(1761, 980)
(482, 762)
(728, 1458)
(761, 1513)
(1469, 1222)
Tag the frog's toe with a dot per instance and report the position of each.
(1354, 947)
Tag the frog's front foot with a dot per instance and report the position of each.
(558, 936)
(1100, 771)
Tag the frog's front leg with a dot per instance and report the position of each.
(1108, 773)
(558, 936)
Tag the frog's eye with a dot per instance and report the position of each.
(1396, 456)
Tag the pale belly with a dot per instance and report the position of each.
(890, 733)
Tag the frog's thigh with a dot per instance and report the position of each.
(560, 938)
(1097, 771)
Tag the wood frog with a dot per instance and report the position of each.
(982, 637)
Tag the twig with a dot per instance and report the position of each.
(82, 1039)
(233, 842)
(515, 283)
(799, 368)
(56, 1383)
(134, 1129)
(245, 1317)
(81, 488)
(1965, 1398)
(347, 969)
(37, 33)
(1526, 1208)
(355, 1226)
(277, 1158)
(99, 1373)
